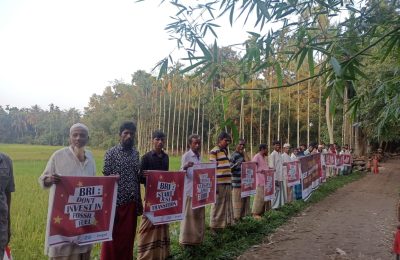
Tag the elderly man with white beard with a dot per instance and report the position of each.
(73, 160)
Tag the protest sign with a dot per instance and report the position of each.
(269, 186)
(293, 173)
(83, 210)
(164, 196)
(347, 159)
(204, 185)
(248, 179)
(309, 174)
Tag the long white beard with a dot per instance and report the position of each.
(79, 153)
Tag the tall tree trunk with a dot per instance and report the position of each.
(160, 113)
(261, 114)
(198, 113)
(308, 112)
(183, 148)
(269, 120)
(329, 120)
(178, 136)
(164, 118)
(298, 115)
(173, 127)
(319, 110)
(241, 118)
(279, 114)
(251, 119)
(194, 116)
(188, 114)
(202, 130)
(169, 120)
(288, 121)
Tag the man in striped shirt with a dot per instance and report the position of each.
(241, 206)
(222, 211)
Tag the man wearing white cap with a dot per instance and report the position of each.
(286, 158)
(74, 160)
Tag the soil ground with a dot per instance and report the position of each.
(358, 221)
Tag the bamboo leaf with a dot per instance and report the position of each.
(336, 66)
(278, 72)
(302, 56)
(187, 69)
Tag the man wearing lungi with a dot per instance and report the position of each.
(154, 241)
(6, 187)
(276, 162)
(259, 205)
(192, 226)
(123, 160)
(74, 160)
(221, 212)
(241, 206)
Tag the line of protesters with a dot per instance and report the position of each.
(153, 240)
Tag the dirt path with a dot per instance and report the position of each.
(356, 222)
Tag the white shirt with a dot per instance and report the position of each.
(189, 156)
(276, 162)
(65, 163)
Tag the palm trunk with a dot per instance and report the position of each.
(298, 115)
(308, 113)
(173, 128)
(269, 119)
(179, 122)
(288, 121)
(251, 120)
(279, 114)
(329, 121)
(169, 120)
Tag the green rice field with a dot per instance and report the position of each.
(29, 202)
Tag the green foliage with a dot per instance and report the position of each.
(342, 50)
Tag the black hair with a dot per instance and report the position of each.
(193, 136)
(262, 147)
(223, 135)
(158, 134)
(127, 125)
(276, 142)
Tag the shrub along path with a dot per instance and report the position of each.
(358, 221)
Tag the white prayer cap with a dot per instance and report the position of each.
(286, 145)
(79, 126)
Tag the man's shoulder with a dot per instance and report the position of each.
(4, 157)
(215, 149)
(112, 149)
(62, 151)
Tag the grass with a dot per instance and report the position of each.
(29, 211)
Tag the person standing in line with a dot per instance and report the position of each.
(286, 158)
(241, 206)
(154, 241)
(74, 160)
(123, 160)
(346, 150)
(7, 186)
(192, 227)
(276, 162)
(259, 205)
(221, 214)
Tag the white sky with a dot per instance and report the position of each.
(63, 51)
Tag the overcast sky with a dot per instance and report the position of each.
(63, 51)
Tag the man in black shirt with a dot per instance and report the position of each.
(123, 160)
(154, 241)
